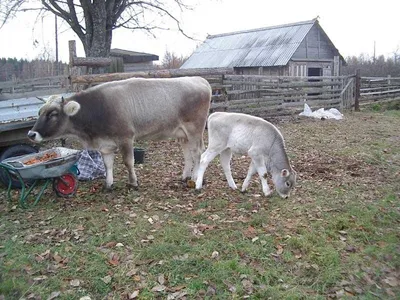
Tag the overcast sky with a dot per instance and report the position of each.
(352, 25)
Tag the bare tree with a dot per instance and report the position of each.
(172, 61)
(94, 21)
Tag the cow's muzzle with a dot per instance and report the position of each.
(35, 136)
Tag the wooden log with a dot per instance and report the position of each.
(100, 78)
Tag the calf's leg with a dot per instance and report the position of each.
(225, 157)
(259, 164)
(250, 173)
(205, 159)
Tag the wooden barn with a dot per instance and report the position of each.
(297, 49)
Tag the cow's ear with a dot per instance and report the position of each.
(285, 173)
(72, 108)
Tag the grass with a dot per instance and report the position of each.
(337, 236)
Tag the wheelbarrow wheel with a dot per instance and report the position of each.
(65, 185)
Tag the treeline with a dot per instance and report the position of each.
(12, 68)
(373, 67)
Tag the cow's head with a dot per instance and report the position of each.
(53, 119)
(284, 181)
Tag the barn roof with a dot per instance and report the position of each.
(262, 47)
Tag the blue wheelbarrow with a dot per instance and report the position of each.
(56, 166)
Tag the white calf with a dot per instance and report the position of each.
(244, 134)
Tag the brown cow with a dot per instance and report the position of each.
(115, 114)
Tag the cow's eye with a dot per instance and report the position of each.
(287, 183)
(52, 114)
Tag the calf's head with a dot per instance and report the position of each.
(54, 117)
(284, 182)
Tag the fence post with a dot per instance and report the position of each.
(357, 92)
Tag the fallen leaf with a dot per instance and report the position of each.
(107, 279)
(75, 282)
(40, 278)
(158, 288)
(119, 245)
(392, 281)
(131, 272)
(161, 279)
(215, 254)
(191, 184)
(279, 249)
(134, 295)
(110, 244)
(54, 295)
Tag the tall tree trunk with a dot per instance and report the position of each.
(98, 37)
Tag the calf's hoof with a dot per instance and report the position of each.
(131, 186)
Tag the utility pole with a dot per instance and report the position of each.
(374, 51)
(56, 33)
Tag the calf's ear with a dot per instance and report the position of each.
(72, 108)
(285, 173)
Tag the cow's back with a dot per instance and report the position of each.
(145, 107)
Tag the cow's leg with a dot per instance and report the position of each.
(205, 159)
(108, 159)
(129, 160)
(225, 158)
(187, 169)
(250, 173)
(259, 164)
(196, 149)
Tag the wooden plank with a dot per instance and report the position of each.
(382, 92)
(284, 85)
(285, 91)
(280, 78)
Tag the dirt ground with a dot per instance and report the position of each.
(341, 164)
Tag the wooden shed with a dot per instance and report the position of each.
(297, 49)
(134, 61)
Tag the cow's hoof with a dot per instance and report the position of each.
(130, 186)
(107, 189)
(197, 191)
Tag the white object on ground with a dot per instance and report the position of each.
(321, 113)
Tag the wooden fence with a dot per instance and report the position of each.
(267, 96)
(263, 96)
(375, 89)
(16, 89)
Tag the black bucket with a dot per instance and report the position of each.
(138, 154)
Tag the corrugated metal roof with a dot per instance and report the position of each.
(262, 47)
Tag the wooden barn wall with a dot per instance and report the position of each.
(267, 71)
(316, 45)
(300, 68)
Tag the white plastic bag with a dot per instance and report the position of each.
(321, 113)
